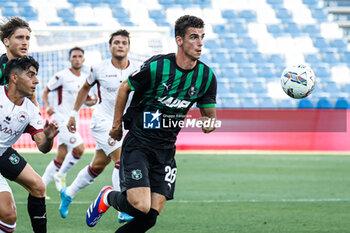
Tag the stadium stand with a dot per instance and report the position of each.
(251, 40)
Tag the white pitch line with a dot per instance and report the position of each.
(48, 202)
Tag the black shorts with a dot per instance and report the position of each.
(11, 164)
(142, 166)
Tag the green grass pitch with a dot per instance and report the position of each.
(219, 193)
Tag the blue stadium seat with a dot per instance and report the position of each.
(319, 15)
(257, 58)
(322, 72)
(229, 43)
(29, 12)
(239, 29)
(277, 59)
(221, 58)
(313, 58)
(248, 102)
(293, 29)
(267, 102)
(239, 57)
(276, 30)
(155, 14)
(275, 3)
(229, 14)
(324, 103)
(321, 44)
(247, 72)
(230, 102)
(9, 11)
(239, 88)
(222, 29)
(345, 57)
(287, 103)
(312, 30)
(341, 103)
(248, 15)
(267, 72)
(331, 58)
(230, 72)
(284, 15)
(248, 43)
(224, 88)
(339, 44)
(305, 103)
(212, 44)
(311, 4)
(257, 87)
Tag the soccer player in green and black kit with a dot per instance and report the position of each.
(166, 85)
(15, 35)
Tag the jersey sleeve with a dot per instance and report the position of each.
(208, 100)
(92, 77)
(36, 123)
(54, 82)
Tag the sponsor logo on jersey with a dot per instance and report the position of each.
(9, 131)
(151, 120)
(172, 102)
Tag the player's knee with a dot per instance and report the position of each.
(38, 189)
(142, 206)
(9, 216)
(79, 150)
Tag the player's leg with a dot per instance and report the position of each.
(36, 207)
(8, 213)
(71, 158)
(115, 156)
(85, 177)
(55, 164)
(14, 167)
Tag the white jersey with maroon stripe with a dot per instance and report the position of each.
(66, 86)
(108, 79)
(17, 119)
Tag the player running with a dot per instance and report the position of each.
(19, 115)
(108, 75)
(166, 85)
(65, 85)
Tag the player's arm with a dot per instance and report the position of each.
(45, 98)
(44, 139)
(90, 101)
(122, 97)
(208, 114)
(81, 97)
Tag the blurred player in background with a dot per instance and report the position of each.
(108, 75)
(15, 35)
(65, 85)
(166, 85)
(19, 115)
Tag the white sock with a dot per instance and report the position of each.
(70, 160)
(50, 170)
(85, 177)
(7, 228)
(115, 177)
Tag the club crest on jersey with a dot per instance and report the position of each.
(14, 159)
(172, 102)
(192, 91)
(136, 174)
(72, 140)
(22, 116)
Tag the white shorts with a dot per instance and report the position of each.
(71, 140)
(100, 128)
(4, 186)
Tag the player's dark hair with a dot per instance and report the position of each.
(76, 48)
(120, 32)
(185, 22)
(19, 64)
(8, 28)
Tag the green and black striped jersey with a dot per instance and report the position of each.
(162, 86)
(3, 61)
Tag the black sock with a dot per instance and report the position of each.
(119, 201)
(140, 224)
(37, 213)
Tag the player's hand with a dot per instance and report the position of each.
(50, 110)
(208, 124)
(116, 132)
(51, 129)
(71, 125)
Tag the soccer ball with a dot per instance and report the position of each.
(298, 81)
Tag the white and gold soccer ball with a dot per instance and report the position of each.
(298, 81)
